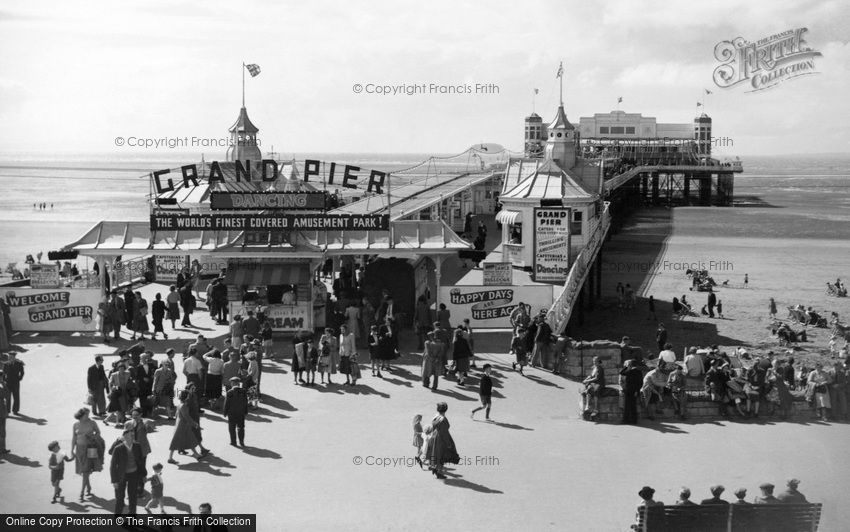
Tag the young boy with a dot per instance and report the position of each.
(485, 391)
(156, 490)
(57, 469)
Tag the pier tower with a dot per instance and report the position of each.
(702, 135)
(243, 139)
(535, 135)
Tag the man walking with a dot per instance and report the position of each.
(235, 410)
(97, 385)
(14, 375)
(485, 393)
(125, 468)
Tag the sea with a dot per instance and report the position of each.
(786, 196)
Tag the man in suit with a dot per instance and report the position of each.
(685, 498)
(791, 495)
(125, 468)
(97, 385)
(766, 495)
(716, 492)
(14, 375)
(143, 375)
(235, 409)
(115, 310)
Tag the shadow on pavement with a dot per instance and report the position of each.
(453, 395)
(363, 389)
(538, 380)
(460, 482)
(27, 419)
(15, 459)
(502, 424)
(280, 404)
(177, 505)
(261, 453)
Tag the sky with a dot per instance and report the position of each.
(76, 75)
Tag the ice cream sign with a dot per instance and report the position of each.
(485, 304)
(48, 306)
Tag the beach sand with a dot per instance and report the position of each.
(655, 248)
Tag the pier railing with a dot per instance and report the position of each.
(559, 314)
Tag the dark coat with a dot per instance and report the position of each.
(14, 372)
(96, 379)
(118, 464)
(236, 403)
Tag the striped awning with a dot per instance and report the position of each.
(509, 217)
(252, 274)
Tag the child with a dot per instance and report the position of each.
(518, 349)
(426, 443)
(719, 308)
(417, 438)
(156, 489)
(485, 392)
(374, 340)
(325, 360)
(57, 469)
(355, 369)
(312, 362)
(832, 346)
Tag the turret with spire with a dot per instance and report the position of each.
(561, 143)
(243, 140)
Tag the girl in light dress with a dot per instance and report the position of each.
(417, 438)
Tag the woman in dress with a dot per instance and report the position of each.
(441, 447)
(778, 393)
(157, 315)
(444, 317)
(352, 320)
(164, 379)
(173, 301)
(462, 353)
(195, 414)
(374, 341)
(818, 380)
(119, 397)
(185, 430)
(333, 352)
(85, 436)
(771, 308)
(347, 348)
(140, 316)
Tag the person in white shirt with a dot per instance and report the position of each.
(215, 363)
(347, 348)
(694, 365)
(192, 367)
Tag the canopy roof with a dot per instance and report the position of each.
(121, 238)
(549, 182)
(243, 124)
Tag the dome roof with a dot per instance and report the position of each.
(243, 124)
(561, 120)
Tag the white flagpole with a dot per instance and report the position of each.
(243, 84)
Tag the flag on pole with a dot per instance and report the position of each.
(708, 91)
(560, 73)
(536, 91)
(699, 104)
(253, 69)
(620, 99)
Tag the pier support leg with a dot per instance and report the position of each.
(599, 275)
(580, 307)
(588, 286)
(655, 189)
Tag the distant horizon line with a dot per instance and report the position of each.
(411, 153)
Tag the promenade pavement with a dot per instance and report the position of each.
(536, 466)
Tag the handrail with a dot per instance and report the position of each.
(561, 309)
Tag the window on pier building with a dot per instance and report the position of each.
(575, 226)
(630, 130)
(603, 130)
(515, 233)
(617, 130)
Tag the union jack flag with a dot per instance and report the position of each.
(253, 69)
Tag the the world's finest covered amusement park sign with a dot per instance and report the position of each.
(269, 222)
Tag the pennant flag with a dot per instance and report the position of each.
(708, 91)
(253, 69)
(536, 91)
(560, 70)
(699, 104)
(620, 99)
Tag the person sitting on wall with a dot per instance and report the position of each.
(654, 387)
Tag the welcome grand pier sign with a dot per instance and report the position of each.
(270, 207)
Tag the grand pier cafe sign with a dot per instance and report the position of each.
(275, 205)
